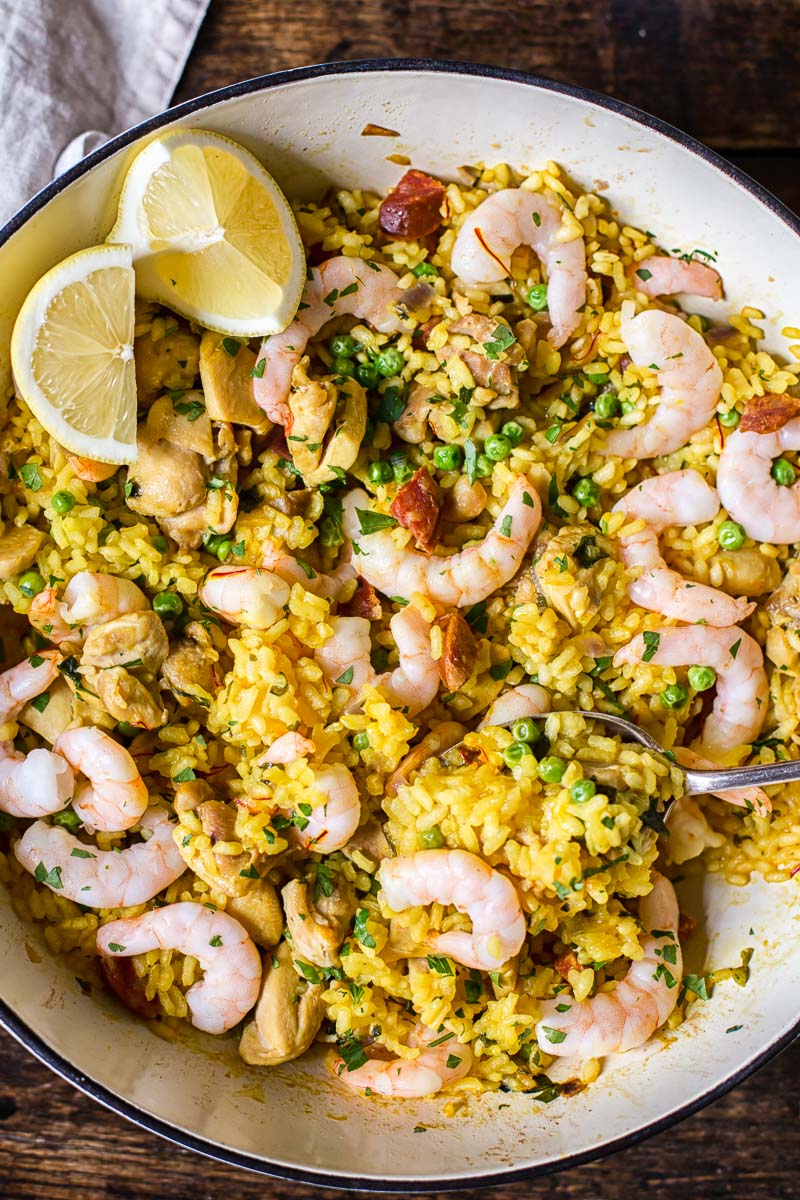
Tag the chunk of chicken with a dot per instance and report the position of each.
(318, 926)
(288, 1014)
(221, 506)
(227, 380)
(575, 555)
(165, 480)
(488, 369)
(369, 842)
(464, 501)
(56, 716)
(783, 606)
(126, 698)
(746, 572)
(782, 649)
(328, 427)
(136, 639)
(189, 668)
(19, 546)
(421, 411)
(166, 364)
(182, 421)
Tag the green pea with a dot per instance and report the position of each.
(731, 535)
(224, 547)
(447, 458)
(68, 819)
(400, 466)
(361, 741)
(497, 447)
(583, 790)
(167, 604)
(524, 730)
(345, 367)
(537, 297)
(62, 503)
(341, 345)
(432, 839)
(126, 729)
(702, 678)
(514, 753)
(424, 268)
(783, 472)
(552, 768)
(380, 472)
(674, 696)
(586, 492)
(483, 466)
(160, 544)
(627, 406)
(368, 375)
(513, 431)
(211, 541)
(390, 362)
(606, 406)
(31, 583)
(729, 420)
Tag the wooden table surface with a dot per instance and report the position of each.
(727, 71)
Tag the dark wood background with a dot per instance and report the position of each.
(727, 71)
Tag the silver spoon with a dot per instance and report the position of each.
(697, 782)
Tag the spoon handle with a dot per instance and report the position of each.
(699, 783)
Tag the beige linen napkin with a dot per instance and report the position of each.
(74, 72)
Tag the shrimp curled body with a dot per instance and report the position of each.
(245, 595)
(90, 599)
(740, 704)
(332, 823)
(527, 700)
(613, 1022)
(115, 796)
(511, 218)
(677, 498)
(104, 878)
(768, 511)
(411, 1078)
(689, 376)
(461, 579)
(468, 883)
(230, 960)
(25, 681)
(661, 275)
(342, 286)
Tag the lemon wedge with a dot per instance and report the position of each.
(72, 353)
(213, 236)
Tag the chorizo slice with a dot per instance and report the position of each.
(766, 414)
(416, 508)
(459, 650)
(411, 210)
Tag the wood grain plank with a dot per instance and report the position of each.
(727, 71)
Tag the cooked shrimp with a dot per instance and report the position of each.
(332, 824)
(34, 784)
(746, 797)
(768, 511)
(689, 377)
(677, 498)
(411, 1078)
(468, 883)
(104, 878)
(527, 700)
(294, 570)
(245, 595)
(115, 797)
(740, 704)
(612, 1022)
(90, 470)
(689, 831)
(344, 658)
(25, 681)
(461, 579)
(228, 956)
(339, 287)
(414, 683)
(664, 276)
(287, 749)
(513, 217)
(90, 599)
